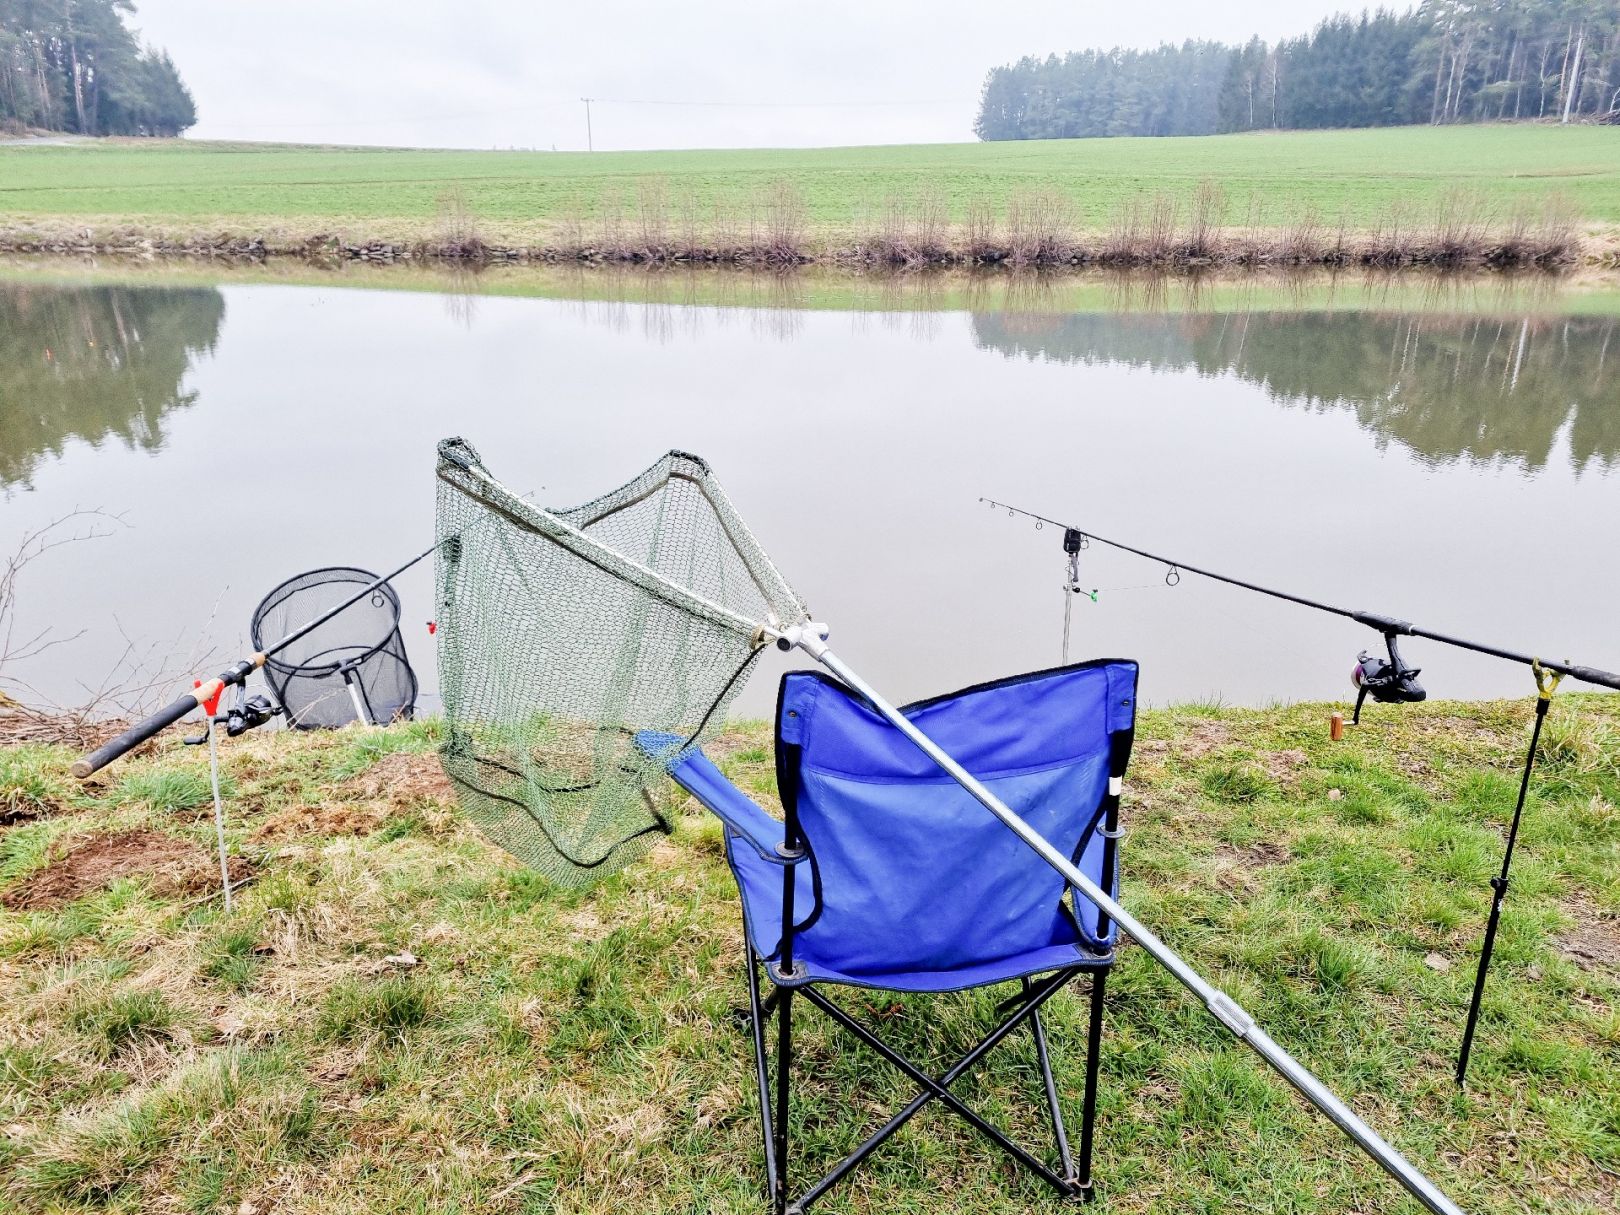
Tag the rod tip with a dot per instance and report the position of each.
(81, 768)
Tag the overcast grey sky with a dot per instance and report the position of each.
(487, 73)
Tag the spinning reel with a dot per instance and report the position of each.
(247, 713)
(1388, 682)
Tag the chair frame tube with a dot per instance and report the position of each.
(1028, 1004)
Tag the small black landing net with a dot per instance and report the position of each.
(351, 668)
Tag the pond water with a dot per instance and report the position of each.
(1455, 462)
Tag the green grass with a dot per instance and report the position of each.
(1359, 176)
(577, 1051)
(30, 784)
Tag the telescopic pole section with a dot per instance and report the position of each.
(219, 813)
(1499, 883)
(1221, 1006)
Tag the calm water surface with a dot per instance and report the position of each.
(1456, 466)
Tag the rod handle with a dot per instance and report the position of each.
(1603, 679)
(141, 731)
(165, 717)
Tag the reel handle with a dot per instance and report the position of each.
(163, 718)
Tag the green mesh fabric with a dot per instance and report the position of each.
(566, 634)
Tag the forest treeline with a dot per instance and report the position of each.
(1445, 61)
(74, 65)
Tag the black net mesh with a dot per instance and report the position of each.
(358, 655)
(582, 651)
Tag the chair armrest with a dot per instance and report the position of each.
(696, 773)
(699, 777)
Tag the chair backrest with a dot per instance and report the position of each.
(913, 873)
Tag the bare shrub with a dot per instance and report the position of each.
(71, 528)
(1393, 241)
(1300, 243)
(652, 221)
(127, 691)
(611, 241)
(979, 235)
(1249, 244)
(690, 244)
(1159, 233)
(1557, 239)
(1123, 242)
(725, 234)
(571, 230)
(1204, 219)
(1460, 224)
(933, 214)
(785, 216)
(1039, 227)
(457, 229)
(1537, 236)
(1337, 251)
(891, 245)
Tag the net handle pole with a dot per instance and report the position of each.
(1221, 1006)
(360, 714)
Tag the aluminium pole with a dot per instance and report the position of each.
(1220, 1005)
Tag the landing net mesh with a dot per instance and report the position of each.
(583, 651)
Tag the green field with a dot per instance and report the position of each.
(576, 1052)
(1359, 176)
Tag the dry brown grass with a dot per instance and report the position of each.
(654, 222)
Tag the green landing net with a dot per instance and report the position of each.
(583, 651)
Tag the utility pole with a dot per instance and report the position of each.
(590, 144)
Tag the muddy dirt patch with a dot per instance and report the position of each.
(306, 822)
(1284, 767)
(1594, 942)
(404, 778)
(1262, 855)
(20, 810)
(172, 867)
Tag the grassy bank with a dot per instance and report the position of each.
(395, 1017)
(1400, 192)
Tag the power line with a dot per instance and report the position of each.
(635, 101)
(785, 105)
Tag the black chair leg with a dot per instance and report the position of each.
(784, 1069)
(1088, 1124)
(1044, 1058)
(758, 1011)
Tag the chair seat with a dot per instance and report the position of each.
(751, 838)
(761, 884)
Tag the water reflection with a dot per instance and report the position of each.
(92, 362)
(1225, 423)
(1448, 388)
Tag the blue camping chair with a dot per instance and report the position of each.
(886, 874)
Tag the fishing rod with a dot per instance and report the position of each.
(1388, 682)
(1390, 626)
(247, 716)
